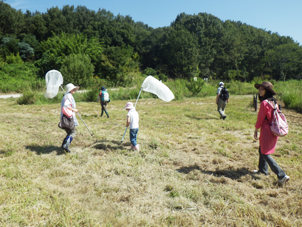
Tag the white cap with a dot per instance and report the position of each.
(221, 83)
(70, 87)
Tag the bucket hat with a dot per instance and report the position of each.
(129, 105)
(267, 86)
(70, 87)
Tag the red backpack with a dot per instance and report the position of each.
(279, 126)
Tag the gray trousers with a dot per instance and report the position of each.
(265, 160)
(220, 107)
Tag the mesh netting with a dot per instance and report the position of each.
(156, 87)
(54, 80)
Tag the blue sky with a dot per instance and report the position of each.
(279, 16)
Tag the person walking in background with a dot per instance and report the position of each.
(222, 99)
(68, 110)
(132, 121)
(104, 99)
(267, 139)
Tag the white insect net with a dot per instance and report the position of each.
(54, 80)
(156, 87)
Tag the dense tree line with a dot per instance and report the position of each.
(114, 47)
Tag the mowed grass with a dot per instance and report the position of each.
(192, 170)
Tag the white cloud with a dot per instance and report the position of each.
(19, 4)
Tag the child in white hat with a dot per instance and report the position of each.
(132, 121)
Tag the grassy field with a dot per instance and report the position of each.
(192, 170)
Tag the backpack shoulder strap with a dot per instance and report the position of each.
(274, 105)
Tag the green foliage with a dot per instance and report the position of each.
(149, 71)
(9, 46)
(19, 77)
(195, 85)
(240, 88)
(77, 69)
(12, 59)
(58, 47)
(25, 50)
(49, 61)
(2, 62)
(29, 97)
(162, 77)
(118, 64)
(178, 87)
(199, 45)
(92, 95)
(290, 93)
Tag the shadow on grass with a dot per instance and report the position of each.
(232, 174)
(45, 149)
(110, 145)
(203, 117)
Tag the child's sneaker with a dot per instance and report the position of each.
(136, 147)
(284, 180)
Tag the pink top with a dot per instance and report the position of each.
(267, 139)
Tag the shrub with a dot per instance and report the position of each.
(178, 87)
(195, 85)
(12, 59)
(149, 71)
(29, 97)
(92, 95)
(19, 77)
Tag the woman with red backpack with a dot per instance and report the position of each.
(267, 139)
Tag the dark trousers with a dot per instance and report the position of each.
(103, 104)
(267, 160)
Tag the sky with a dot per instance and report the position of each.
(277, 16)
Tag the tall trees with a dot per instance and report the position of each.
(200, 45)
(11, 20)
(56, 48)
(77, 69)
(117, 64)
(285, 60)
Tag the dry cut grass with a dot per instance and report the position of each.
(192, 170)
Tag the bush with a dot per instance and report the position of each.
(92, 95)
(241, 88)
(12, 59)
(178, 87)
(19, 77)
(195, 86)
(290, 92)
(29, 97)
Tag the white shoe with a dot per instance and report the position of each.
(284, 180)
(136, 147)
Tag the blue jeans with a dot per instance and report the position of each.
(133, 135)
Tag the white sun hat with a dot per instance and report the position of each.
(70, 87)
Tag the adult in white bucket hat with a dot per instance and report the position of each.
(68, 110)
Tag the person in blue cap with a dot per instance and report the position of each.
(104, 100)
